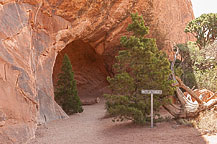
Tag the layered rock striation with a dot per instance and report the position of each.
(34, 34)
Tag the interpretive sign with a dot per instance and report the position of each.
(151, 92)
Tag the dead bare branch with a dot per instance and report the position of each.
(182, 85)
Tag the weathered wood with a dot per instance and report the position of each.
(173, 110)
(212, 105)
(173, 63)
(187, 108)
(180, 96)
(182, 85)
(152, 115)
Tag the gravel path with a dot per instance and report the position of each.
(90, 127)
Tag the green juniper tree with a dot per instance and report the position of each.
(201, 56)
(199, 66)
(66, 91)
(140, 66)
(204, 29)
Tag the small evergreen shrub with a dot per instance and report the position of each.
(66, 91)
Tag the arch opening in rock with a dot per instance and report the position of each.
(89, 69)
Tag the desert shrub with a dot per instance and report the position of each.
(204, 28)
(139, 66)
(66, 90)
(199, 66)
(207, 121)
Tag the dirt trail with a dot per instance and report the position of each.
(90, 127)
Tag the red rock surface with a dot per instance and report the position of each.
(33, 32)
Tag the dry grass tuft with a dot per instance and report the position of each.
(207, 121)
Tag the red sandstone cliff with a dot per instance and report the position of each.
(33, 32)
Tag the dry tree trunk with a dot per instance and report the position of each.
(187, 107)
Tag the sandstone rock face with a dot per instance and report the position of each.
(33, 33)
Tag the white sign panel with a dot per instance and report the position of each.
(151, 91)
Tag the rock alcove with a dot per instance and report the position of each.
(89, 69)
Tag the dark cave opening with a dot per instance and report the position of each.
(89, 69)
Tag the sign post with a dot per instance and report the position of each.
(151, 92)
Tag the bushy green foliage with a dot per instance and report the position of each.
(140, 66)
(199, 66)
(186, 66)
(204, 28)
(66, 91)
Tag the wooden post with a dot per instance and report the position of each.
(152, 92)
(152, 119)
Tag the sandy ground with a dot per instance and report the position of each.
(90, 127)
